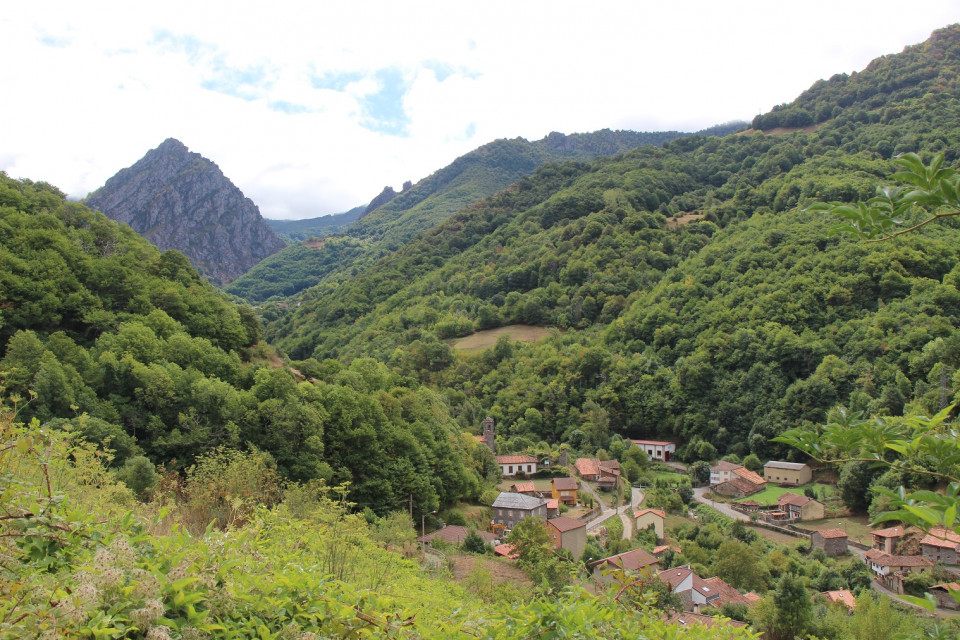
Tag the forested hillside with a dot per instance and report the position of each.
(105, 336)
(694, 298)
(387, 227)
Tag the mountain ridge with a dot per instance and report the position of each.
(178, 199)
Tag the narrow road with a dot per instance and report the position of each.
(719, 506)
(625, 512)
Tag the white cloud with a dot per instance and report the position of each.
(102, 83)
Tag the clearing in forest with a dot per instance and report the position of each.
(488, 337)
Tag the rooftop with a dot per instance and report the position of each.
(656, 443)
(644, 512)
(507, 500)
(454, 534)
(892, 532)
(833, 533)
(942, 538)
(750, 476)
(792, 466)
(723, 465)
(564, 524)
(843, 595)
(565, 484)
(629, 561)
(795, 499)
(516, 459)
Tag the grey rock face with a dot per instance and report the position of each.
(180, 200)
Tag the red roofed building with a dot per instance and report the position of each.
(728, 594)
(569, 534)
(833, 542)
(800, 507)
(646, 517)
(657, 449)
(507, 551)
(527, 488)
(886, 539)
(512, 465)
(945, 599)
(750, 476)
(691, 588)
(593, 469)
(735, 487)
(843, 595)
(564, 490)
(941, 545)
(633, 561)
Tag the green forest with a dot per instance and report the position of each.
(164, 445)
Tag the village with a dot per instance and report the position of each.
(588, 499)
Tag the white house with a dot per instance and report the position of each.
(512, 465)
(657, 449)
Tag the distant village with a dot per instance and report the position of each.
(555, 491)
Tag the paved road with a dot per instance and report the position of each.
(719, 506)
(624, 512)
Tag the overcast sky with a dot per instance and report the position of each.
(313, 107)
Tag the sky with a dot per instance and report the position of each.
(311, 108)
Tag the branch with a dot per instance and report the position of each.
(936, 216)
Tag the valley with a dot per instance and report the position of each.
(668, 325)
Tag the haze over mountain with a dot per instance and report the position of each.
(180, 200)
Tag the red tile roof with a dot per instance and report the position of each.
(565, 484)
(750, 476)
(628, 561)
(553, 503)
(843, 595)
(723, 465)
(728, 593)
(506, 550)
(833, 533)
(892, 532)
(587, 466)
(524, 487)
(745, 486)
(659, 443)
(942, 538)
(642, 512)
(795, 499)
(946, 586)
(902, 561)
(516, 459)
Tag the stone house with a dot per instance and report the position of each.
(511, 508)
(942, 593)
(799, 507)
(736, 487)
(789, 473)
(512, 465)
(941, 545)
(568, 534)
(593, 469)
(886, 539)
(833, 542)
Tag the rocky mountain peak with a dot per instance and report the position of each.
(180, 200)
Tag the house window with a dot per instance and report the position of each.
(528, 468)
(509, 469)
